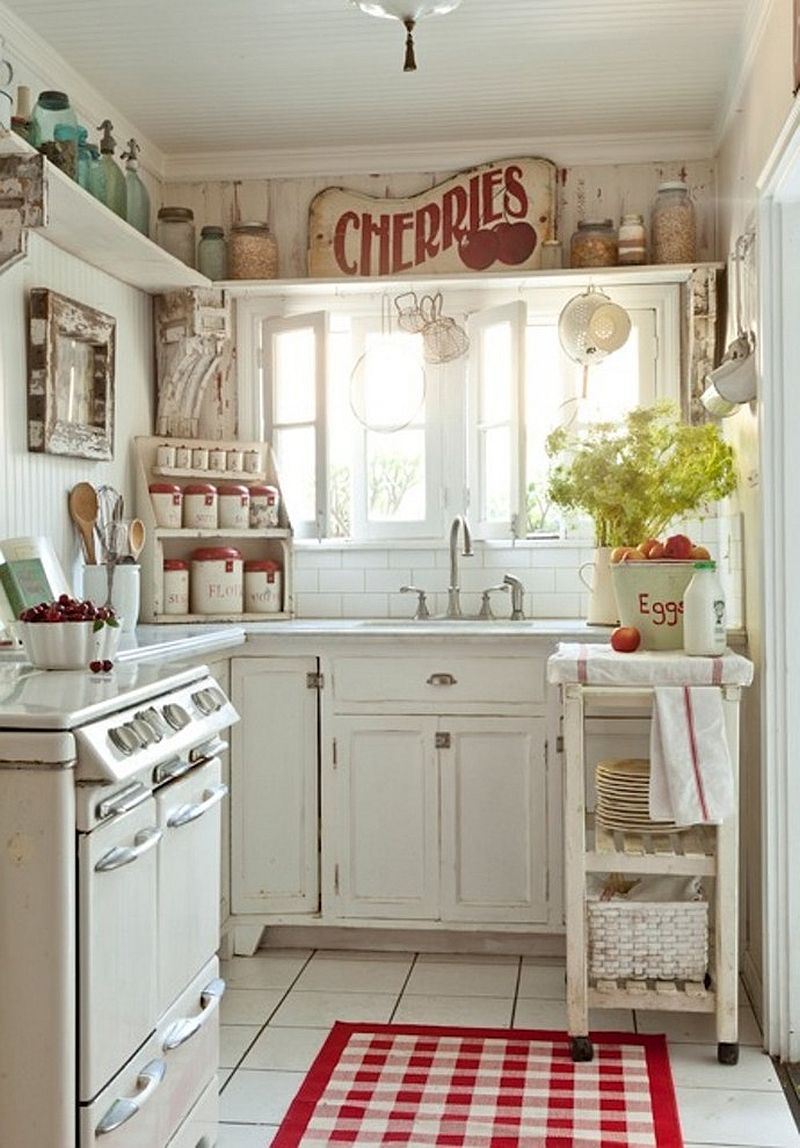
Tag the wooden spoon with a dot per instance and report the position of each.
(136, 536)
(82, 502)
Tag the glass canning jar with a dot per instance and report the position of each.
(252, 252)
(175, 233)
(594, 244)
(673, 224)
(212, 258)
(632, 240)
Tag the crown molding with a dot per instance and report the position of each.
(36, 60)
(195, 167)
(754, 23)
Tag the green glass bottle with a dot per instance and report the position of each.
(116, 191)
(138, 201)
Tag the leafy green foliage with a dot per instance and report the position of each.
(635, 477)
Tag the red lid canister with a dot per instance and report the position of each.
(215, 553)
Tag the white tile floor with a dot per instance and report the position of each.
(280, 1004)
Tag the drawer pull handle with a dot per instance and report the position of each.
(442, 680)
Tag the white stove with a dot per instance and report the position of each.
(110, 799)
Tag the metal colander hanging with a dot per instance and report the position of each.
(591, 326)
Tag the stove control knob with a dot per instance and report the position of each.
(200, 699)
(120, 741)
(175, 715)
(145, 723)
(216, 698)
(145, 734)
(132, 731)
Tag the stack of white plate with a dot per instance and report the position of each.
(623, 799)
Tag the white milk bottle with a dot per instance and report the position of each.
(704, 628)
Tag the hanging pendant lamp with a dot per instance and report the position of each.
(408, 13)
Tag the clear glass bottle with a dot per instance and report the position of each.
(84, 159)
(252, 252)
(594, 244)
(632, 240)
(175, 233)
(137, 200)
(704, 625)
(212, 256)
(116, 191)
(552, 255)
(673, 224)
(97, 174)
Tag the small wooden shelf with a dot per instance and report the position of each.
(211, 475)
(78, 223)
(685, 996)
(222, 532)
(188, 619)
(685, 852)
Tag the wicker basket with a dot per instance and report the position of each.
(658, 940)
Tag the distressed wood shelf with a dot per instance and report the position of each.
(78, 223)
(221, 531)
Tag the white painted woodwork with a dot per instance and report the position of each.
(494, 832)
(380, 819)
(273, 802)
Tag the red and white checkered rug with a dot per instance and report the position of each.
(483, 1088)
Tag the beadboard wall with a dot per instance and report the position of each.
(33, 487)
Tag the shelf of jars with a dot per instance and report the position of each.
(219, 541)
(80, 224)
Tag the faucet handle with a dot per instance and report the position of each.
(486, 606)
(422, 606)
(517, 597)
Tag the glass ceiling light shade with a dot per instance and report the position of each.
(408, 12)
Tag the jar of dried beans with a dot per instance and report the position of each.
(673, 224)
(594, 244)
(252, 252)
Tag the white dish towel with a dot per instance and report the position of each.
(691, 778)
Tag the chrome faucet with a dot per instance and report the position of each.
(453, 590)
(517, 597)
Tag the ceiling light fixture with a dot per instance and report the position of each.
(409, 13)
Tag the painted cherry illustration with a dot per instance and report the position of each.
(478, 249)
(515, 241)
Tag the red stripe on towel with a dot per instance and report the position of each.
(583, 669)
(716, 672)
(698, 780)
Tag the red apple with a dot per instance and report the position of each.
(478, 249)
(678, 546)
(515, 241)
(625, 639)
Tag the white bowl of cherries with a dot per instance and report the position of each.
(69, 635)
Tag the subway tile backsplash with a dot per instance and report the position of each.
(352, 581)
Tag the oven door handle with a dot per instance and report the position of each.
(146, 839)
(126, 1107)
(187, 1027)
(186, 813)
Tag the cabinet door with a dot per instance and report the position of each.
(380, 802)
(494, 820)
(274, 834)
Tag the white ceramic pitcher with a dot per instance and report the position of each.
(602, 603)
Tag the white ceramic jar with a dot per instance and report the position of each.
(252, 461)
(176, 586)
(200, 458)
(165, 454)
(217, 459)
(200, 506)
(216, 581)
(234, 506)
(264, 506)
(183, 457)
(263, 581)
(235, 460)
(167, 499)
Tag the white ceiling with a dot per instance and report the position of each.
(315, 77)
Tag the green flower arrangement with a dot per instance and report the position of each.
(636, 477)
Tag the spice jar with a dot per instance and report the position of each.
(262, 586)
(167, 499)
(234, 506)
(252, 252)
(175, 233)
(673, 224)
(594, 244)
(252, 461)
(165, 454)
(632, 240)
(235, 459)
(183, 457)
(212, 257)
(200, 506)
(176, 586)
(552, 256)
(264, 506)
(200, 458)
(217, 458)
(216, 584)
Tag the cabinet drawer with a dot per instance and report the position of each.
(438, 681)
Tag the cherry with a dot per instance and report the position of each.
(515, 241)
(478, 249)
(107, 666)
(95, 667)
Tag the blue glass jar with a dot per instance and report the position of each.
(84, 159)
(212, 255)
(50, 110)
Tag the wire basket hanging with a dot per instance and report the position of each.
(443, 339)
(388, 382)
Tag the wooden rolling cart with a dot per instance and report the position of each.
(710, 852)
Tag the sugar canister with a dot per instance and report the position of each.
(200, 506)
(216, 582)
(176, 586)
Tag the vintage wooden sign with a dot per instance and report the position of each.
(490, 218)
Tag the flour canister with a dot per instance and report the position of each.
(167, 499)
(234, 506)
(264, 506)
(262, 586)
(176, 586)
(200, 508)
(216, 583)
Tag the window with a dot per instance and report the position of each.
(373, 443)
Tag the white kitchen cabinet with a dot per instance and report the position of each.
(274, 807)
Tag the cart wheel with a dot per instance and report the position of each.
(580, 1048)
(727, 1053)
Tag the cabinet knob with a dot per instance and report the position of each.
(441, 680)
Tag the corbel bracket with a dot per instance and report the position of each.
(22, 204)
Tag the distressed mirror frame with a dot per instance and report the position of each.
(71, 350)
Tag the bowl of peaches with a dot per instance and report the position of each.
(68, 634)
(649, 581)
